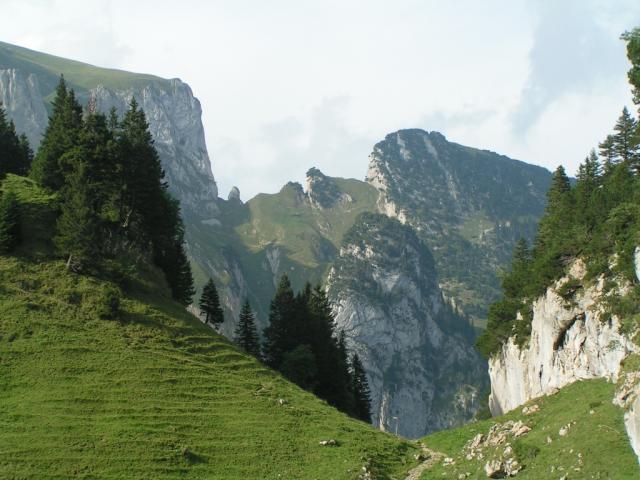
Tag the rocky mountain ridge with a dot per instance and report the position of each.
(470, 206)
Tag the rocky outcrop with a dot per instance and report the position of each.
(322, 191)
(22, 99)
(234, 195)
(571, 339)
(423, 372)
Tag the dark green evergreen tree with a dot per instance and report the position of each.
(608, 153)
(625, 140)
(557, 211)
(9, 222)
(361, 392)
(633, 53)
(278, 335)
(246, 335)
(586, 190)
(59, 138)
(333, 381)
(142, 202)
(344, 374)
(178, 273)
(299, 366)
(15, 153)
(78, 226)
(517, 277)
(210, 305)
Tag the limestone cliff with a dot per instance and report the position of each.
(571, 339)
(423, 371)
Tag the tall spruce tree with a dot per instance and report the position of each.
(278, 335)
(332, 382)
(60, 137)
(608, 153)
(246, 335)
(625, 139)
(361, 392)
(343, 374)
(78, 225)
(557, 210)
(179, 277)
(9, 222)
(210, 305)
(141, 175)
(15, 153)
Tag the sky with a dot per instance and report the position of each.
(286, 85)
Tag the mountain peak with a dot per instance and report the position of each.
(322, 191)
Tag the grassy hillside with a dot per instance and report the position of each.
(153, 394)
(594, 446)
(80, 76)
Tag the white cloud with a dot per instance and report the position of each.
(287, 85)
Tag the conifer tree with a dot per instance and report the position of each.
(299, 366)
(344, 375)
(625, 143)
(9, 222)
(141, 175)
(557, 210)
(60, 137)
(246, 335)
(78, 227)
(608, 153)
(15, 153)
(361, 392)
(278, 338)
(633, 53)
(210, 305)
(25, 157)
(101, 156)
(180, 279)
(332, 372)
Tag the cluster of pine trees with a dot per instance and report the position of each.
(15, 152)
(113, 197)
(15, 157)
(595, 218)
(301, 343)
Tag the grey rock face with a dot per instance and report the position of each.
(470, 206)
(423, 371)
(569, 342)
(234, 194)
(174, 117)
(21, 97)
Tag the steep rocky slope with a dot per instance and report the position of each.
(572, 338)
(470, 206)
(424, 373)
